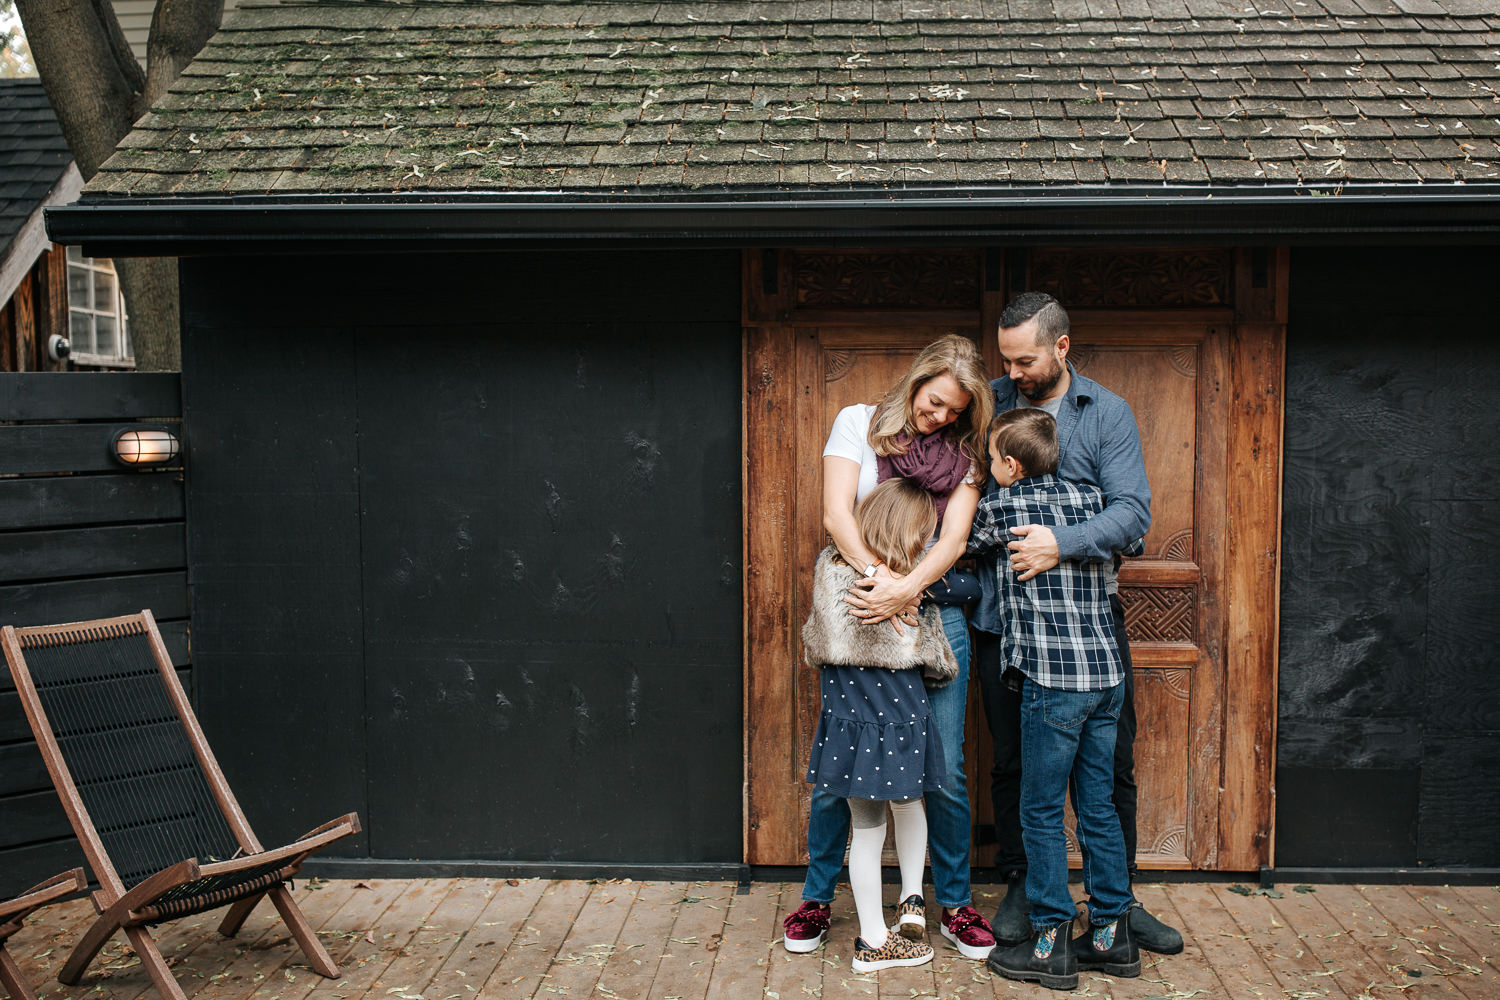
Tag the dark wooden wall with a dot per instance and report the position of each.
(37, 309)
(80, 538)
(1389, 732)
(465, 549)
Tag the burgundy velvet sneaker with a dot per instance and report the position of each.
(969, 932)
(806, 928)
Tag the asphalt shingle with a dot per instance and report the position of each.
(33, 154)
(427, 95)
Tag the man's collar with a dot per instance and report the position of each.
(1073, 394)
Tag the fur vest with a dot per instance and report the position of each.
(833, 637)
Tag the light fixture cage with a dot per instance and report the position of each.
(145, 447)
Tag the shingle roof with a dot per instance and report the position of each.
(33, 154)
(442, 96)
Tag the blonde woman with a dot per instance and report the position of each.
(929, 428)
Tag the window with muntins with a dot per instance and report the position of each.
(97, 325)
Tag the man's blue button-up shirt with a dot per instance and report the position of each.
(1099, 445)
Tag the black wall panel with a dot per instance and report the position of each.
(1389, 675)
(80, 537)
(465, 549)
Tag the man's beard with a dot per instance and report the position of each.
(1041, 389)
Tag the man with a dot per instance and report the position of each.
(1100, 446)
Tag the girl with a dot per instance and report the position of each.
(875, 743)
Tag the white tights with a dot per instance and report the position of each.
(865, 843)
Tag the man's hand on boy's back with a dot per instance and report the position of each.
(1034, 552)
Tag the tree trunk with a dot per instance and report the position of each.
(153, 334)
(98, 91)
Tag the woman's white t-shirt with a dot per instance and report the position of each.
(850, 438)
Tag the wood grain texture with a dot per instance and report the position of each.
(61, 501)
(1293, 968)
(102, 551)
(631, 968)
(1349, 969)
(166, 594)
(742, 959)
(101, 396)
(1388, 542)
(771, 513)
(1246, 807)
(687, 962)
(1388, 942)
(1209, 682)
(1341, 942)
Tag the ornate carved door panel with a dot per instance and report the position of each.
(828, 328)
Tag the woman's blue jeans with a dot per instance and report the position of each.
(1069, 737)
(948, 816)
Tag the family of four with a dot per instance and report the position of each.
(1038, 475)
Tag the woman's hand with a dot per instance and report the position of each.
(884, 596)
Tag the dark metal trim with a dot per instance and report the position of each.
(340, 868)
(396, 868)
(1380, 876)
(464, 221)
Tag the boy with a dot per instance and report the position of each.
(1059, 633)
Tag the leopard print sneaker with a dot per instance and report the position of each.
(911, 918)
(897, 950)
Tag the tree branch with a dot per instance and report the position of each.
(179, 30)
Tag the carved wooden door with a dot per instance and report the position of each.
(1202, 379)
(1171, 375)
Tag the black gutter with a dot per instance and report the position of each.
(182, 226)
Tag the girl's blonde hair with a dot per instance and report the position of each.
(950, 355)
(896, 519)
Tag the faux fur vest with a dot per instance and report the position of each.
(833, 636)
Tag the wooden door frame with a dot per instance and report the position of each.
(1258, 284)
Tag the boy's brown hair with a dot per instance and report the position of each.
(896, 519)
(1028, 435)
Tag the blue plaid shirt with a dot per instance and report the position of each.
(1058, 628)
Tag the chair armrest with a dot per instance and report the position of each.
(313, 840)
(45, 892)
(40, 895)
(352, 819)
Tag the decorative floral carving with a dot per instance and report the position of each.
(1170, 843)
(1104, 279)
(1185, 361)
(1176, 682)
(1178, 547)
(930, 279)
(1080, 356)
(1159, 614)
(837, 364)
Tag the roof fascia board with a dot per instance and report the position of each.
(31, 239)
(306, 224)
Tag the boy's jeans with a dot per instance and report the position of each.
(1071, 734)
(948, 816)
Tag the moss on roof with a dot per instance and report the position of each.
(472, 96)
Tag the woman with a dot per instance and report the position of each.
(929, 428)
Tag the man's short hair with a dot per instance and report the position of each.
(1051, 317)
(1028, 435)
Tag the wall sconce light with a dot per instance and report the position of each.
(145, 448)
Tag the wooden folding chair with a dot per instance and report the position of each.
(14, 911)
(155, 818)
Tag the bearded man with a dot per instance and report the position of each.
(1099, 445)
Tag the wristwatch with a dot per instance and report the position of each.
(870, 569)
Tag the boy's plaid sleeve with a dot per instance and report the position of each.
(989, 532)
